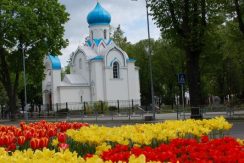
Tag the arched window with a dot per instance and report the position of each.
(105, 34)
(80, 63)
(115, 70)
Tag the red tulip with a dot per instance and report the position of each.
(13, 139)
(22, 124)
(17, 132)
(51, 132)
(3, 128)
(63, 146)
(11, 147)
(204, 139)
(32, 130)
(43, 142)
(21, 140)
(42, 133)
(88, 155)
(62, 137)
(28, 135)
(6, 140)
(36, 135)
(34, 143)
(1, 141)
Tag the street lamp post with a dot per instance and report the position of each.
(23, 54)
(24, 70)
(150, 62)
(24, 74)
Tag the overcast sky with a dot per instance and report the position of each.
(131, 15)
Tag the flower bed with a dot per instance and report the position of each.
(171, 141)
(182, 150)
(148, 134)
(35, 135)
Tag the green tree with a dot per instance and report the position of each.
(119, 38)
(38, 25)
(138, 52)
(221, 61)
(3, 96)
(236, 7)
(65, 70)
(167, 61)
(185, 22)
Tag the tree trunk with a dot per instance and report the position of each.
(239, 16)
(193, 72)
(12, 106)
(6, 81)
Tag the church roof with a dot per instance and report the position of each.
(88, 51)
(98, 58)
(56, 64)
(75, 79)
(99, 16)
(131, 60)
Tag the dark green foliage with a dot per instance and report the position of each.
(35, 27)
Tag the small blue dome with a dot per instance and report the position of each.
(99, 16)
(56, 65)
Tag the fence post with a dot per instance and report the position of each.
(84, 103)
(129, 114)
(48, 109)
(132, 105)
(66, 106)
(39, 109)
(56, 107)
(112, 115)
(118, 105)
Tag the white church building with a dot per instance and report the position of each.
(100, 70)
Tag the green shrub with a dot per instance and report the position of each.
(99, 107)
(112, 108)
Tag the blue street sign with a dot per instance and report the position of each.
(181, 78)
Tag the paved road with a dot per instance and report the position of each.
(237, 129)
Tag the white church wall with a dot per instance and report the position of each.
(46, 80)
(80, 65)
(56, 81)
(116, 89)
(115, 55)
(99, 88)
(133, 80)
(137, 85)
(74, 94)
(97, 32)
(99, 80)
(93, 81)
(46, 86)
(43, 94)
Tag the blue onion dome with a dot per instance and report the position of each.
(99, 16)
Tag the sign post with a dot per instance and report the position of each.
(181, 81)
